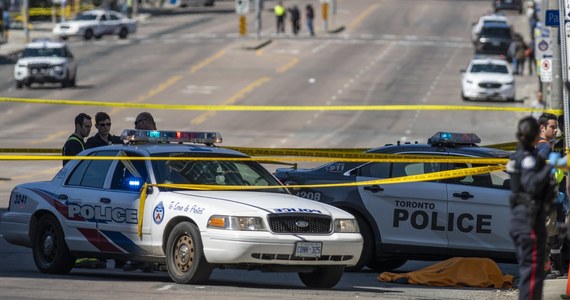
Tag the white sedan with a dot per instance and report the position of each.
(96, 23)
(488, 79)
(485, 20)
(95, 208)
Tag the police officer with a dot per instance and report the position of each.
(74, 143)
(532, 187)
(103, 137)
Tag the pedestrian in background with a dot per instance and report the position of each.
(6, 24)
(75, 143)
(279, 10)
(532, 192)
(529, 53)
(295, 19)
(145, 121)
(103, 137)
(520, 55)
(310, 17)
(538, 103)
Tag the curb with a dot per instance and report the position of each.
(257, 46)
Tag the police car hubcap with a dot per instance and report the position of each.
(48, 245)
(184, 253)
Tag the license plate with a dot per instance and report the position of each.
(308, 249)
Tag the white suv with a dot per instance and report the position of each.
(46, 62)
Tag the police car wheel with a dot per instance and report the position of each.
(88, 34)
(368, 247)
(19, 85)
(185, 258)
(49, 249)
(322, 277)
(123, 33)
(382, 265)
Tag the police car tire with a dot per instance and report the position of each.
(60, 260)
(88, 34)
(383, 265)
(322, 277)
(123, 33)
(194, 269)
(368, 247)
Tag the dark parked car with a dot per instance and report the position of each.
(494, 38)
(508, 4)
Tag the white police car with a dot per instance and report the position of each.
(96, 23)
(437, 219)
(488, 79)
(45, 61)
(93, 208)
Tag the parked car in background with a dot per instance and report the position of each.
(488, 79)
(45, 61)
(508, 5)
(486, 20)
(494, 38)
(96, 23)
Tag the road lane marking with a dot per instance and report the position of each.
(362, 16)
(233, 99)
(284, 68)
(199, 66)
(166, 287)
(153, 92)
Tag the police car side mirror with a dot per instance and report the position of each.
(149, 190)
(462, 71)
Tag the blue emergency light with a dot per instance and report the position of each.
(165, 136)
(453, 138)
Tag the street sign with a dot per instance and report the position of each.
(242, 7)
(552, 18)
(546, 70)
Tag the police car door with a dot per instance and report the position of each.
(120, 199)
(411, 214)
(80, 192)
(479, 211)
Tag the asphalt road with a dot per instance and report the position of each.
(406, 52)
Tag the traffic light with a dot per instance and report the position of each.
(242, 25)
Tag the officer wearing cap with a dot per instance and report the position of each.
(532, 186)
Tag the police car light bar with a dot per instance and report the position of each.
(162, 136)
(454, 138)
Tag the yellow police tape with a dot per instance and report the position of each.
(363, 158)
(279, 107)
(405, 179)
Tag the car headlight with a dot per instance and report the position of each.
(346, 226)
(469, 81)
(510, 83)
(22, 66)
(58, 68)
(236, 223)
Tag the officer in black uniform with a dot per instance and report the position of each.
(532, 186)
(103, 137)
(74, 143)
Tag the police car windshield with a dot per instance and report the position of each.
(489, 68)
(213, 172)
(44, 52)
(85, 17)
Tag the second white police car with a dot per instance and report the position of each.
(488, 78)
(93, 208)
(466, 216)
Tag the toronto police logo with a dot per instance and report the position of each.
(158, 213)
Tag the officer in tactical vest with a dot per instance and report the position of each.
(75, 143)
(532, 186)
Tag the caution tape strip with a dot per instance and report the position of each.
(279, 107)
(406, 179)
(387, 158)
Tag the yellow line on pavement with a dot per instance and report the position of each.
(362, 16)
(284, 68)
(197, 67)
(153, 92)
(34, 174)
(233, 99)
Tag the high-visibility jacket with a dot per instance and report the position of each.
(279, 10)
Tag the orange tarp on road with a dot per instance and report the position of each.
(457, 271)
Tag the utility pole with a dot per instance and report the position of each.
(564, 38)
(258, 10)
(556, 85)
(25, 19)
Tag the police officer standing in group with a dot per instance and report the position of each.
(532, 186)
(74, 143)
